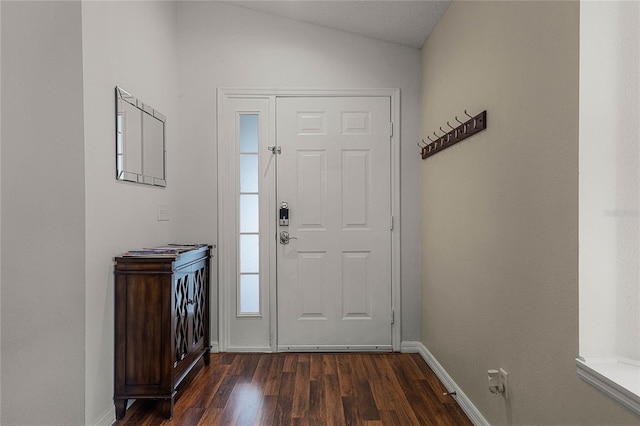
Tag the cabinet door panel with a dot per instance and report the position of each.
(199, 292)
(181, 317)
(144, 330)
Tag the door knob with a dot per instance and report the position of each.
(285, 237)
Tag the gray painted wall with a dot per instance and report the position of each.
(43, 257)
(0, 213)
(131, 44)
(500, 212)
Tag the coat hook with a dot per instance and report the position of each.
(455, 131)
(474, 120)
(422, 147)
(428, 137)
(439, 139)
(464, 127)
(445, 134)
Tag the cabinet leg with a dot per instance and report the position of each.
(121, 408)
(207, 356)
(166, 408)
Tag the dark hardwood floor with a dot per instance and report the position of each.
(307, 389)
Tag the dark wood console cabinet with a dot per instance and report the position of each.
(161, 324)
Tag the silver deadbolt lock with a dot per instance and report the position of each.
(284, 214)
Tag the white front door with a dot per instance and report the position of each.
(334, 275)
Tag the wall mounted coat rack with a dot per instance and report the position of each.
(457, 134)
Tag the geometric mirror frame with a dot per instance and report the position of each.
(140, 141)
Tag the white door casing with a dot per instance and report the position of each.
(259, 334)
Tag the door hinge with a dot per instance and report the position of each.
(391, 129)
(391, 223)
(393, 316)
(275, 149)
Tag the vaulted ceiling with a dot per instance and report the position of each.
(405, 22)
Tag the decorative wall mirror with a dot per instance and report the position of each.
(140, 141)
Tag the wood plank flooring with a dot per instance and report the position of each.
(307, 389)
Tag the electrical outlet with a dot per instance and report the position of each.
(504, 381)
(163, 212)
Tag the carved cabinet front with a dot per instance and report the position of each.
(161, 324)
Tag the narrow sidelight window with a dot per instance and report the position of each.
(249, 276)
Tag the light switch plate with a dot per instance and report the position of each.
(163, 212)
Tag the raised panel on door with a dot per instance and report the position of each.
(356, 294)
(311, 278)
(356, 197)
(311, 170)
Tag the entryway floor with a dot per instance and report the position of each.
(307, 389)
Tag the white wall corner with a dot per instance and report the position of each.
(475, 416)
(214, 347)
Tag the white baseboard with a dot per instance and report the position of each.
(214, 347)
(107, 419)
(465, 403)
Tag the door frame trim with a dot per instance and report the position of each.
(224, 94)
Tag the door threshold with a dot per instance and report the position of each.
(335, 348)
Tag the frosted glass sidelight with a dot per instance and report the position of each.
(249, 294)
(249, 217)
(249, 209)
(249, 173)
(249, 253)
(248, 133)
